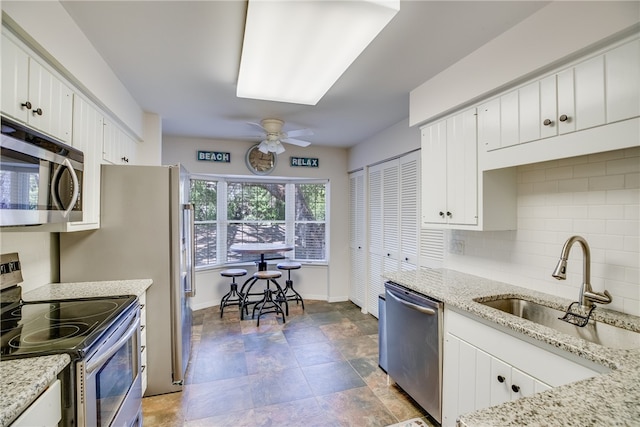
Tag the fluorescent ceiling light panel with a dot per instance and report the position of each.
(295, 50)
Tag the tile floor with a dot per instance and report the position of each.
(320, 368)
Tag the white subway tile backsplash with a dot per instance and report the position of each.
(623, 166)
(596, 196)
(572, 185)
(609, 182)
(596, 226)
(606, 212)
(623, 227)
(632, 180)
(590, 169)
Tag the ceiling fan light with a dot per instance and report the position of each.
(313, 42)
(279, 149)
(263, 147)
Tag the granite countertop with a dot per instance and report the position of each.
(55, 291)
(23, 380)
(608, 399)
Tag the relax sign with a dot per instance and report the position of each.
(308, 162)
(214, 156)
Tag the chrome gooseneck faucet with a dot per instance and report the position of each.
(587, 296)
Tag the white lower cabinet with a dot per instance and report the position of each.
(483, 366)
(45, 411)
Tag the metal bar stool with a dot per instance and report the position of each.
(267, 304)
(233, 297)
(289, 293)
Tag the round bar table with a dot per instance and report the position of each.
(261, 249)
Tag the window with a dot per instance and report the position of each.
(248, 211)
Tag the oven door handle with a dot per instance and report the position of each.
(114, 348)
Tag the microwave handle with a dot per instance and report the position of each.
(76, 189)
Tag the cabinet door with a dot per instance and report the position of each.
(623, 82)
(566, 102)
(52, 104)
(509, 132)
(87, 136)
(489, 125)
(529, 112)
(357, 238)
(434, 173)
(376, 239)
(462, 169)
(390, 213)
(522, 385)
(409, 211)
(500, 382)
(15, 80)
(548, 107)
(589, 93)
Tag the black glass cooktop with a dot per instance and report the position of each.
(65, 326)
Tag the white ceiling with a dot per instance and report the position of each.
(180, 59)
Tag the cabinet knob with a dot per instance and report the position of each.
(449, 214)
(515, 388)
(500, 379)
(406, 259)
(441, 214)
(388, 254)
(564, 118)
(547, 122)
(38, 111)
(124, 159)
(26, 105)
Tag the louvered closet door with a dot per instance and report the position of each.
(357, 235)
(409, 210)
(375, 284)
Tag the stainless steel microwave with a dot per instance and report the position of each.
(40, 178)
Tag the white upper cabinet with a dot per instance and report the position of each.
(622, 70)
(118, 148)
(32, 94)
(539, 120)
(449, 171)
(456, 194)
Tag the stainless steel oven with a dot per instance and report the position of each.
(108, 381)
(102, 385)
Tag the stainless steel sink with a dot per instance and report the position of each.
(595, 331)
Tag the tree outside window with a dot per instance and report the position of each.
(229, 212)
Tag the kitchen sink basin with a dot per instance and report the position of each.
(595, 331)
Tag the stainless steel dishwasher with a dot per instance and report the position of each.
(414, 346)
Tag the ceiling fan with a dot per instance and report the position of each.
(274, 136)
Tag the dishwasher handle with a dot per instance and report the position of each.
(421, 309)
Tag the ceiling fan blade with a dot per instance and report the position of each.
(297, 142)
(300, 132)
(258, 125)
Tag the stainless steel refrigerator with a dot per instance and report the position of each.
(146, 231)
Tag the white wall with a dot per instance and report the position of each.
(391, 142)
(597, 197)
(330, 282)
(546, 37)
(49, 29)
(38, 252)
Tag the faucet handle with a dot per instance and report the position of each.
(601, 298)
